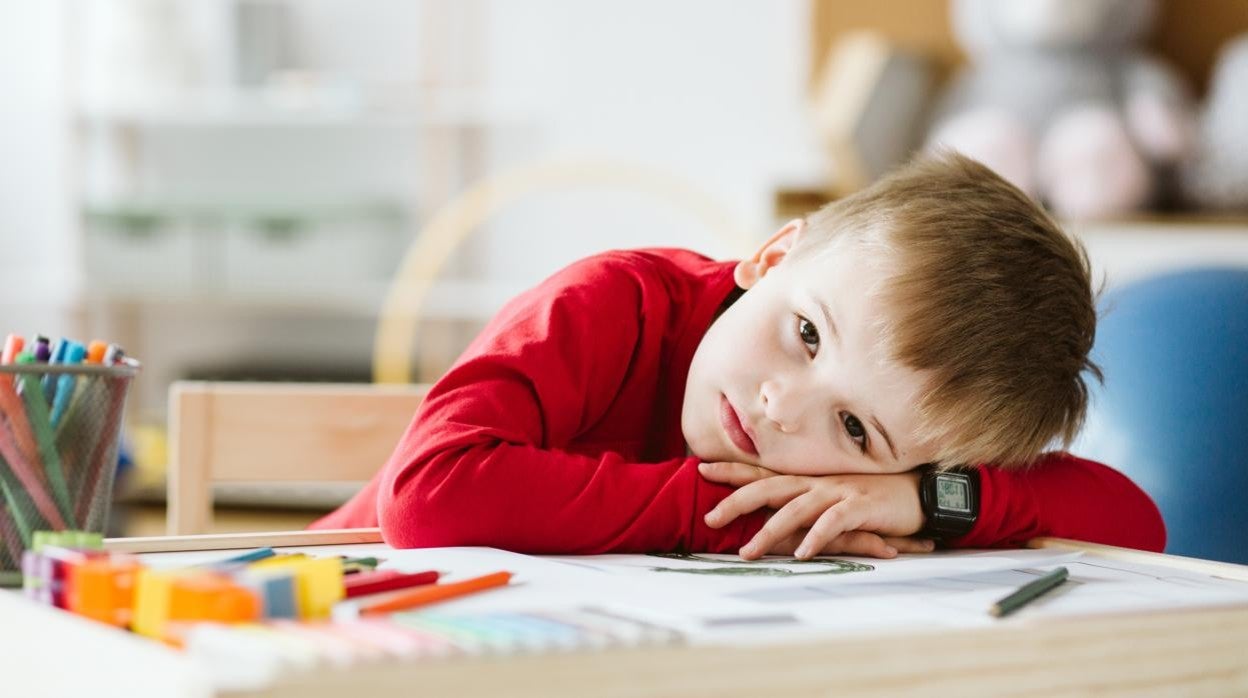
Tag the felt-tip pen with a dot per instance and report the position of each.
(1029, 592)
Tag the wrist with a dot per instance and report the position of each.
(914, 505)
(949, 500)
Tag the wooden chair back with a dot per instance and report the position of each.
(276, 432)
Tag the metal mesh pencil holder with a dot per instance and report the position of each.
(60, 428)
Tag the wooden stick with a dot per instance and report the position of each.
(237, 541)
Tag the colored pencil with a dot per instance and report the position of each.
(41, 425)
(420, 596)
(366, 583)
(32, 484)
(103, 456)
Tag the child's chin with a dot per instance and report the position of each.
(704, 453)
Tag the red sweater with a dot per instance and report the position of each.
(558, 431)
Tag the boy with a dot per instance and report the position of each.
(938, 316)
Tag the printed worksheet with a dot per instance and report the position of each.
(724, 599)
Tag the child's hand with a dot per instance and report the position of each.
(861, 543)
(884, 508)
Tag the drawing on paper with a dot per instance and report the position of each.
(766, 567)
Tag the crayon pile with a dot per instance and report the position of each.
(61, 404)
(70, 570)
(255, 616)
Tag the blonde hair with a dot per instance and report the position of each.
(987, 296)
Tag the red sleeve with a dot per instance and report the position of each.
(482, 462)
(1067, 497)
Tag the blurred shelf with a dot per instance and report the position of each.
(797, 201)
(149, 520)
(1176, 223)
(451, 299)
(127, 213)
(1126, 250)
(274, 496)
(318, 105)
(1121, 250)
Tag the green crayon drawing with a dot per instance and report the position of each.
(761, 568)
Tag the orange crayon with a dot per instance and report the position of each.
(103, 589)
(96, 350)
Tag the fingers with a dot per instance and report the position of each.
(791, 517)
(909, 544)
(773, 492)
(789, 544)
(735, 474)
(861, 543)
(869, 544)
(833, 522)
(864, 543)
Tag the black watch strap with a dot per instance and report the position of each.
(950, 502)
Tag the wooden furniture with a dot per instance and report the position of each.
(1196, 652)
(1187, 34)
(276, 432)
(878, 68)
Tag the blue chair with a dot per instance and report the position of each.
(1173, 413)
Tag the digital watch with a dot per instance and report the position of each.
(950, 502)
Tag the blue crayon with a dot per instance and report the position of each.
(65, 383)
(56, 355)
(251, 556)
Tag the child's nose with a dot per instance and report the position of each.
(782, 405)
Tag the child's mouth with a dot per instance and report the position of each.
(731, 423)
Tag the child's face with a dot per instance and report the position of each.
(779, 382)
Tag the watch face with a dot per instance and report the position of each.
(953, 493)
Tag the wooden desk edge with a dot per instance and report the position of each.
(1225, 570)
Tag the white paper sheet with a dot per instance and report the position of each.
(949, 589)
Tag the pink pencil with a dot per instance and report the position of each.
(30, 481)
(11, 406)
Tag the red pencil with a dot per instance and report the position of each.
(366, 583)
(411, 598)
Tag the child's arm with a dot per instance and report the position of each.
(486, 460)
(1061, 495)
(1068, 497)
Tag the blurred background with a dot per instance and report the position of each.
(227, 187)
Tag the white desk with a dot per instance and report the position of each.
(1199, 652)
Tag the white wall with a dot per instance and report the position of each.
(38, 254)
(710, 92)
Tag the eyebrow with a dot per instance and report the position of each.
(883, 432)
(827, 318)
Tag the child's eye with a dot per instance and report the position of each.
(856, 431)
(809, 334)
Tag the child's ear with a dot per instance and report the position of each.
(770, 254)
